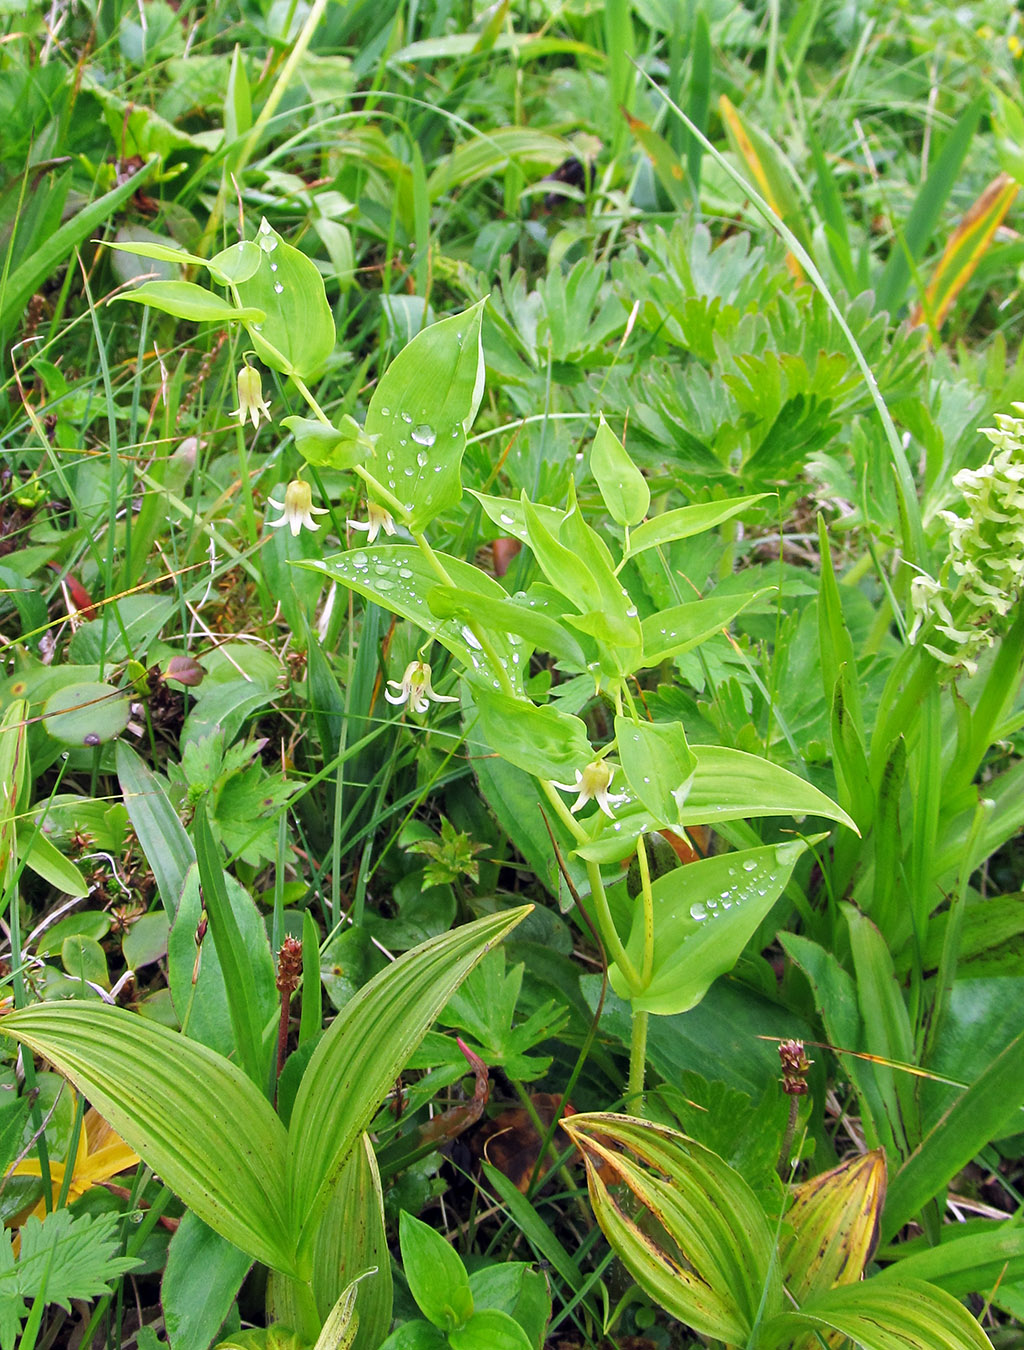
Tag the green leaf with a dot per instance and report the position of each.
(507, 616)
(238, 262)
(351, 1242)
(658, 764)
(877, 1315)
(489, 1329)
(992, 1100)
(194, 1309)
(293, 328)
(716, 1271)
(437, 1277)
(963, 1263)
(687, 521)
(727, 785)
(514, 1288)
(327, 446)
(671, 632)
(186, 300)
(544, 741)
(64, 1257)
(246, 1021)
(48, 862)
(912, 241)
(45, 257)
(86, 713)
(510, 516)
(364, 1049)
(420, 413)
(416, 1336)
(399, 578)
(704, 916)
(192, 1115)
(623, 487)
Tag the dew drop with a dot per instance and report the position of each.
(698, 912)
(403, 441)
(404, 573)
(750, 865)
(470, 638)
(421, 458)
(273, 267)
(406, 417)
(424, 434)
(631, 612)
(385, 412)
(278, 288)
(359, 560)
(381, 569)
(409, 471)
(385, 585)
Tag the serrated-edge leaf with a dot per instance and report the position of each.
(192, 1115)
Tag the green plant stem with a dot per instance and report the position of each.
(637, 1063)
(647, 967)
(602, 912)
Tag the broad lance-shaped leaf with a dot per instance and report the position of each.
(296, 334)
(186, 300)
(671, 632)
(704, 915)
(544, 741)
(510, 516)
(727, 785)
(523, 619)
(189, 1113)
(421, 410)
(880, 1315)
(398, 578)
(716, 1272)
(657, 763)
(351, 1244)
(622, 485)
(361, 1055)
(687, 521)
(831, 1226)
(160, 832)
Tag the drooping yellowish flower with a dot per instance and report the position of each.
(251, 402)
(592, 784)
(298, 508)
(415, 689)
(377, 519)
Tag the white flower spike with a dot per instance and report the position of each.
(298, 508)
(379, 519)
(415, 689)
(592, 785)
(251, 402)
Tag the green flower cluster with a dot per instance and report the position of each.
(983, 572)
